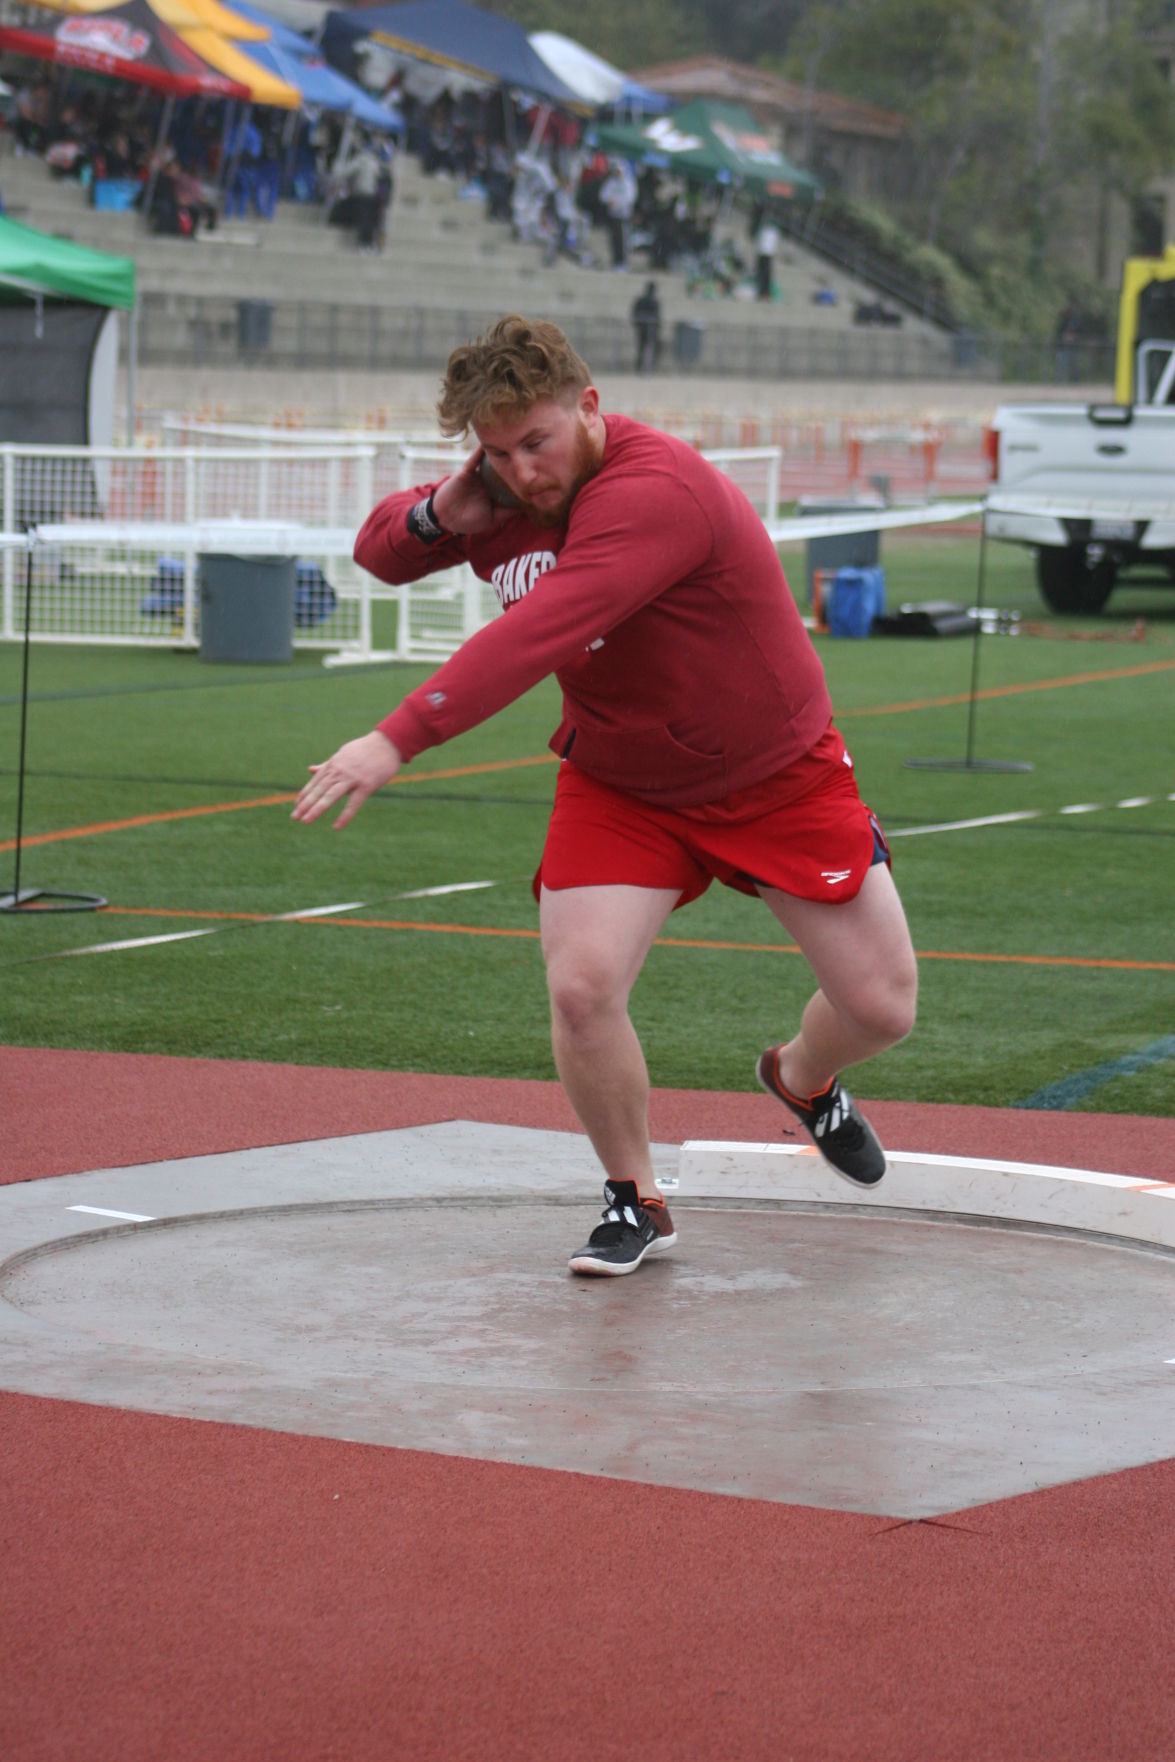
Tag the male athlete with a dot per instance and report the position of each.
(696, 744)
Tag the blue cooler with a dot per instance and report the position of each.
(855, 598)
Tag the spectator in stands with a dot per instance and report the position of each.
(267, 173)
(618, 200)
(565, 237)
(33, 109)
(499, 182)
(244, 157)
(199, 199)
(69, 143)
(766, 245)
(116, 158)
(361, 173)
(646, 321)
(440, 140)
(534, 185)
(385, 190)
(666, 231)
(325, 135)
(174, 205)
(592, 174)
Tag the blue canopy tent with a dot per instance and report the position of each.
(451, 34)
(299, 62)
(637, 100)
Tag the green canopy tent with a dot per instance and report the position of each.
(711, 143)
(36, 267)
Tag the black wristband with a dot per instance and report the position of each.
(423, 523)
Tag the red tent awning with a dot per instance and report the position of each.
(128, 42)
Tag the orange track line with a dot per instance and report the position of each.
(407, 924)
(933, 954)
(266, 801)
(224, 807)
(1048, 960)
(261, 801)
(963, 697)
(343, 923)
(476, 770)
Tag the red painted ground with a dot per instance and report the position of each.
(64, 1112)
(180, 1591)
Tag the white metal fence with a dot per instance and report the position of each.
(110, 584)
(401, 459)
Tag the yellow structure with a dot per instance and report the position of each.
(1138, 273)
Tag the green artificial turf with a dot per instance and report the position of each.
(119, 735)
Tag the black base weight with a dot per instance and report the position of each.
(38, 899)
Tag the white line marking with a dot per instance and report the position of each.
(131, 1217)
(456, 887)
(318, 911)
(965, 825)
(137, 942)
(1077, 807)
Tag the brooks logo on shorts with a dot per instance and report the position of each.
(835, 876)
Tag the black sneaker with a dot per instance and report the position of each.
(840, 1133)
(627, 1232)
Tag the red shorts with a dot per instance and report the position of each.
(805, 831)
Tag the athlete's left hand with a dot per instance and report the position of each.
(356, 771)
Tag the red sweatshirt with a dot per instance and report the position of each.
(660, 607)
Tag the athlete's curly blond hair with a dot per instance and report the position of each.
(500, 375)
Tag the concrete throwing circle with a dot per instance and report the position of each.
(855, 1361)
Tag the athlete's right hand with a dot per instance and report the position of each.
(356, 771)
(464, 504)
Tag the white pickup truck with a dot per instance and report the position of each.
(1091, 488)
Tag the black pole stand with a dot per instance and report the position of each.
(969, 762)
(36, 899)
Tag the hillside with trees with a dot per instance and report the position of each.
(1034, 126)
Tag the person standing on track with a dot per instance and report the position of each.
(697, 744)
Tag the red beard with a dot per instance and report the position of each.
(584, 465)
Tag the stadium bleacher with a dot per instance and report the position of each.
(291, 289)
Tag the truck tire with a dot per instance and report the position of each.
(1069, 584)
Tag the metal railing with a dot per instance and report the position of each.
(115, 592)
(126, 534)
(179, 330)
(137, 520)
(206, 331)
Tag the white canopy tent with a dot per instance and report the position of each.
(594, 80)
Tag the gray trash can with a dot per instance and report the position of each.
(247, 607)
(847, 550)
(254, 325)
(687, 343)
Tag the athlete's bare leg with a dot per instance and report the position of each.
(595, 940)
(865, 967)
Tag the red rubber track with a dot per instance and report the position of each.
(185, 1591)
